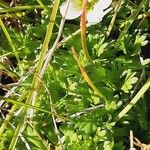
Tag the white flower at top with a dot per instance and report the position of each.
(96, 10)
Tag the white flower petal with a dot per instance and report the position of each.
(72, 12)
(93, 17)
(96, 15)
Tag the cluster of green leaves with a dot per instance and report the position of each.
(69, 114)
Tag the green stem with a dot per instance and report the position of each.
(116, 10)
(26, 105)
(42, 5)
(134, 100)
(129, 22)
(45, 143)
(3, 4)
(11, 44)
(36, 80)
(11, 112)
(20, 8)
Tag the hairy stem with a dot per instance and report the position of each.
(83, 31)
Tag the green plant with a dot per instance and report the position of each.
(59, 100)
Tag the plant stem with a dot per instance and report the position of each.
(20, 8)
(31, 99)
(11, 112)
(37, 80)
(134, 100)
(11, 43)
(51, 51)
(42, 5)
(116, 10)
(129, 22)
(83, 31)
(86, 77)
